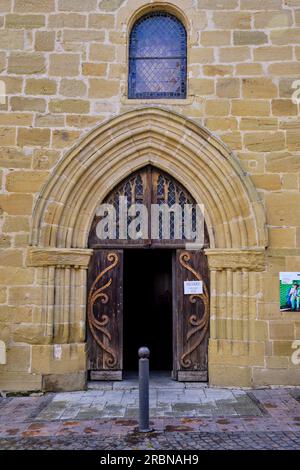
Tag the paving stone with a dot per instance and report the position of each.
(179, 414)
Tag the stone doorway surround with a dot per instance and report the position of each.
(64, 212)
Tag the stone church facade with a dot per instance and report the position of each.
(70, 133)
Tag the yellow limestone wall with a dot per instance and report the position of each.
(64, 64)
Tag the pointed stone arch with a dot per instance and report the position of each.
(234, 216)
(190, 153)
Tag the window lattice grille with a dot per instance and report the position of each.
(157, 57)
(162, 189)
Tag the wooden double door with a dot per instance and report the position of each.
(137, 297)
(136, 286)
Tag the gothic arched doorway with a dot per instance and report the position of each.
(144, 286)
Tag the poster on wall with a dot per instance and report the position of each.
(289, 292)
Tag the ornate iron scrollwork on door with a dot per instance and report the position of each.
(101, 325)
(198, 326)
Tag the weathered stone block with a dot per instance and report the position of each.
(83, 122)
(81, 36)
(273, 19)
(102, 53)
(201, 55)
(285, 36)
(41, 86)
(258, 124)
(242, 38)
(15, 224)
(217, 107)
(215, 38)
(110, 5)
(77, 5)
(20, 381)
(229, 376)
(16, 119)
(63, 139)
(202, 86)
(25, 21)
(222, 124)
(25, 181)
(67, 20)
(13, 85)
(216, 4)
(19, 103)
(12, 276)
(7, 135)
(33, 137)
(259, 88)
(215, 70)
(64, 65)
(268, 182)
(233, 140)
(248, 69)
(92, 69)
(265, 141)
(64, 382)
(290, 181)
(26, 63)
(103, 21)
(18, 359)
(10, 40)
(11, 257)
(34, 6)
(59, 359)
(234, 54)
(100, 88)
(49, 120)
(284, 108)
(250, 108)
(272, 54)
(72, 88)
(232, 20)
(263, 377)
(293, 140)
(16, 204)
(5, 6)
(228, 88)
(283, 209)
(282, 330)
(282, 162)
(69, 106)
(258, 5)
(25, 295)
(284, 68)
(44, 41)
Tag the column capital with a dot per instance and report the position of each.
(59, 257)
(246, 259)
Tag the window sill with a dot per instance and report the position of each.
(179, 102)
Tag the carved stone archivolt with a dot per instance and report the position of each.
(196, 159)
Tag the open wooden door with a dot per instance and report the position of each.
(191, 316)
(105, 315)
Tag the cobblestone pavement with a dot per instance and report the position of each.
(184, 416)
(164, 441)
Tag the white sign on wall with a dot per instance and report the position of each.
(193, 287)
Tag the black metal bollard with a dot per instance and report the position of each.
(144, 354)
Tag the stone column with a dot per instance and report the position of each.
(61, 358)
(233, 349)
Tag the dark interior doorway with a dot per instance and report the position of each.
(147, 301)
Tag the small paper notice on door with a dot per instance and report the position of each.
(193, 287)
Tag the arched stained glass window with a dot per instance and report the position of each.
(157, 57)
